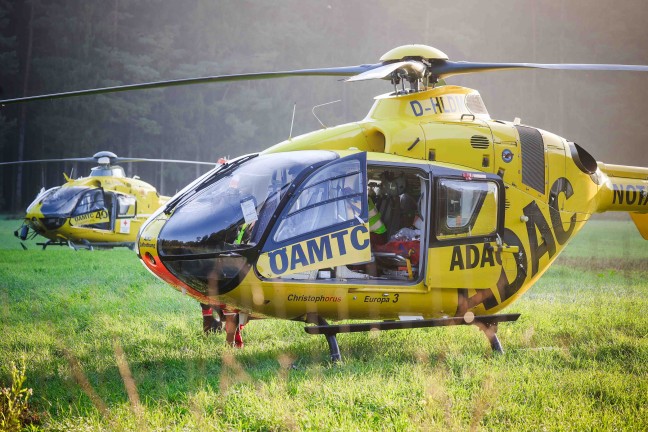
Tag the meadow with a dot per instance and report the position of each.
(108, 347)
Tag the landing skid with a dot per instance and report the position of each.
(487, 324)
(329, 331)
(85, 244)
(52, 243)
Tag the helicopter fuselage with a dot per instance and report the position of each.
(496, 203)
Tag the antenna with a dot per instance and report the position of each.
(292, 121)
(321, 105)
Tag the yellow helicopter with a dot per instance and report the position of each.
(103, 210)
(428, 212)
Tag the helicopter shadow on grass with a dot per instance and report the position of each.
(388, 349)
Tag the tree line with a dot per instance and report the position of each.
(51, 46)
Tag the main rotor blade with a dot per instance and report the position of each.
(124, 160)
(335, 71)
(410, 68)
(449, 68)
(50, 160)
(114, 160)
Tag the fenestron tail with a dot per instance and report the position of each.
(626, 189)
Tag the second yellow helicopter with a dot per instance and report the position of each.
(103, 210)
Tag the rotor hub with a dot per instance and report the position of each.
(413, 51)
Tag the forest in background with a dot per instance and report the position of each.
(51, 46)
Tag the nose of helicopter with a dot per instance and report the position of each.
(42, 224)
(186, 263)
(148, 254)
(209, 235)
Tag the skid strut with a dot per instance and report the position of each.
(334, 349)
(487, 324)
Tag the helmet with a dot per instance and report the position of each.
(393, 185)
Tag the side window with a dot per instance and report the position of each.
(466, 208)
(332, 196)
(90, 201)
(125, 206)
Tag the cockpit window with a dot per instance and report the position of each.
(330, 197)
(126, 206)
(90, 201)
(234, 210)
(62, 200)
(466, 208)
(42, 194)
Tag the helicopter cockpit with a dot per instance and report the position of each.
(231, 210)
(263, 204)
(221, 219)
(305, 216)
(58, 201)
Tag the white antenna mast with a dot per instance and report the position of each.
(292, 122)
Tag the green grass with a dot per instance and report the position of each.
(86, 322)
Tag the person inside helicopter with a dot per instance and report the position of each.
(395, 201)
(395, 225)
(377, 229)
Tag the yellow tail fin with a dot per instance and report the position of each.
(641, 221)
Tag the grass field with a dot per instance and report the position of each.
(108, 347)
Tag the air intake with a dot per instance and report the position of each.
(533, 158)
(479, 142)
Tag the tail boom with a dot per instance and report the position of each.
(625, 188)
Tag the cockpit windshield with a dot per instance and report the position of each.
(62, 201)
(233, 211)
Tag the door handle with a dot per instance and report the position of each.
(508, 249)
